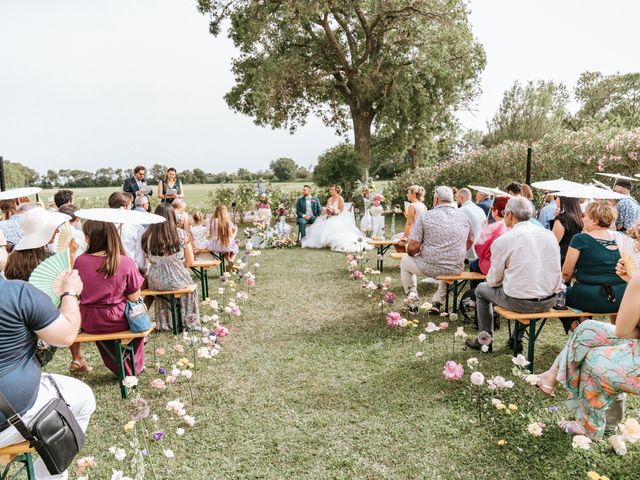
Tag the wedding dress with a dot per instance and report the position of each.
(338, 232)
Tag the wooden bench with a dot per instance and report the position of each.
(220, 258)
(456, 283)
(19, 453)
(173, 297)
(529, 321)
(382, 246)
(200, 267)
(123, 348)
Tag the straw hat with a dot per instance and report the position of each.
(38, 227)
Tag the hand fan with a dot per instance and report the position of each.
(65, 235)
(47, 276)
(628, 253)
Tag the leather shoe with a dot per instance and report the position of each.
(476, 345)
(519, 346)
(435, 308)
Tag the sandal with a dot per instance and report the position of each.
(546, 389)
(572, 427)
(80, 366)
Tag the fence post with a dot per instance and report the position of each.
(528, 175)
(2, 184)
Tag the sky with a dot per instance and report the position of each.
(87, 84)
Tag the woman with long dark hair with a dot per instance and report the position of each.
(169, 251)
(171, 187)
(567, 224)
(110, 278)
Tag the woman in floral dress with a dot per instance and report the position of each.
(599, 362)
(169, 251)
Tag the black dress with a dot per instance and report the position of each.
(571, 228)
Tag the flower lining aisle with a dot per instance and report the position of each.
(319, 378)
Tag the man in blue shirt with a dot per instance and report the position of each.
(628, 208)
(484, 202)
(547, 213)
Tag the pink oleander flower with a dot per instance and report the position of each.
(221, 331)
(453, 370)
(443, 325)
(158, 383)
(393, 319)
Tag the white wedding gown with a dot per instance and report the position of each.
(338, 232)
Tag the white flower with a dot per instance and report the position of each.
(403, 322)
(485, 348)
(453, 317)
(617, 442)
(580, 441)
(203, 352)
(119, 475)
(175, 406)
(221, 290)
(186, 374)
(227, 310)
(535, 429)
(180, 431)
(431, 327)
(520, 361)
(419, 354)
(460, 333)
(499, 382)
(531, 379)
(214, 304)
(175, 372)
(189, 421)
(444, 314)
(630, 430)
(215, 318)
(426, 306)
(119, 453)
(496, 401)
(168, 453)
(130, 381)
(257, 265)
(154, 417)
(472, 363)
(477, 378)
(422, 337)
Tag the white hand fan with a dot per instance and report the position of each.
(628, 253)
(48, 276)
(65, 235)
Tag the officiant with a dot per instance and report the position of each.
(136, 185)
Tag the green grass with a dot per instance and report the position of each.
(311, 384)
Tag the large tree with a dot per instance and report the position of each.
(396, 65)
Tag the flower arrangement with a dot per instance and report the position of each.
(330, 211)
(281, 211)
(263, 201)
(378, 199)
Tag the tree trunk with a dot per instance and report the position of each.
(362, 120)
(413, 155)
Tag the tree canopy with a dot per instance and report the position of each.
(284, 169)
(399, 66)
(340, 166)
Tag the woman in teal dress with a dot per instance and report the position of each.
(599, 362)
(592, 257)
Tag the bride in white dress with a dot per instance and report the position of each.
(336, 227)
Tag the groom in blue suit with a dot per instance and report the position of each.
(307, 210)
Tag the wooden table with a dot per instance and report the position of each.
(528, 321)
(173, 297)
(382, 246)
(200, 267)
(455, 284)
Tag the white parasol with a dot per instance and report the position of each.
(600, 184)
(618, 176)
(119, 215)
(495, 192)
(555, 185)
(590, 191)
(19, 192)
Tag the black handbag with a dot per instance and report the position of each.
(54, 432)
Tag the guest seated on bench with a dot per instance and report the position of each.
(525, 270)
(599, 362)
(110, 278)
(489, 233)
(170, 253)
(415, 209)
(223, 232)
(592, 257)
(26, 315)
(437, 245)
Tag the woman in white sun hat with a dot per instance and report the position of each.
(39, 228)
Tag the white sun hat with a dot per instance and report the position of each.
(38, 227)
(590, 191)
(494, 192)
(556, 185)
(19, 192)
(119, 215)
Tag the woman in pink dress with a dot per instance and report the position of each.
(110, 278)
(488, 235)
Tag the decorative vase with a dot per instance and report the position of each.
(376, 210)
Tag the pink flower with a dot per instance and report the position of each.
(452, 371)
(171, 379)
(160, 351)
(251, 281)
(158, 383)
(393, 319)
(443, 325)
(178, 348)
(357, 275)
(221, 331)
(349, 258)
(235, 311)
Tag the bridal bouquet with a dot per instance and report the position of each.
(330, 211)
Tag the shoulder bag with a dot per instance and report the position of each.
(54, 432)
(137, 316)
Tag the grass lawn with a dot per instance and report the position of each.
(312, 384)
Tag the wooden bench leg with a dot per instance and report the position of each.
(532, 344)
(121, 371)
(205, 292)
(174, 314)
(27, 464)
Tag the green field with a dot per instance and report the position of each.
(312, 384)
